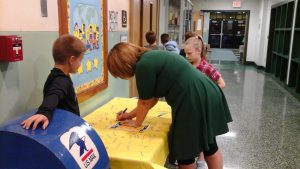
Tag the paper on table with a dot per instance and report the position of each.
(118, 126)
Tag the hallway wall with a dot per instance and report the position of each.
(21, 16)
(260, 57)
(163, 21)
(265, 14)
(21, 83)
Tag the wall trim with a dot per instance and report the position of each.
(251, 63)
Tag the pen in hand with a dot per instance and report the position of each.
(124, 110)
(120, 114)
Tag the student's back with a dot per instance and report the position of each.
(155, 47)
(151, 39)
(172, 46)
(59, 85)
(169, 44)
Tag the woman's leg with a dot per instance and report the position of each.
(215, 161)
(213, 156)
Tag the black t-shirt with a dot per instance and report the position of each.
(58, 93)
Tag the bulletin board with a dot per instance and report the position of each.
(86, 19)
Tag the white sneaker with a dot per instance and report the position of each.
(201, 164)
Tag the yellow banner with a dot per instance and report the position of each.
(131, 148)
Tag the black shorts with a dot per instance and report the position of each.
(213, 148)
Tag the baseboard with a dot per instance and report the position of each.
(250, 63)
(260, 67)
(290, 90)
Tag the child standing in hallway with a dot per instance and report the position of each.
(194, 49)
(58, 90)
(170, 45)
(151, 39)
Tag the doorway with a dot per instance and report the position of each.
(144, 17)
(228, 33)
(227, 29)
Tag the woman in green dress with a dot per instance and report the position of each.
(199, 108)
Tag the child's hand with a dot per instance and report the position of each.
(35, 119)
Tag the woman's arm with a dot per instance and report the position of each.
(140, 112)
(143, 108)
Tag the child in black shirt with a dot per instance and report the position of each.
(58, 90)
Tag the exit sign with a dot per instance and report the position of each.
(236, 4)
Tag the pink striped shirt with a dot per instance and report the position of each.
(209, 70)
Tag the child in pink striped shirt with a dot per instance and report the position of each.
(194, 49)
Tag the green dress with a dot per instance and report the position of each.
(199, 108)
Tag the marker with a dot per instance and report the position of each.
(124, 110)
(120, 113)
(144, 128)
(116, 125)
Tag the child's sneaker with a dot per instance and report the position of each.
(201, 164)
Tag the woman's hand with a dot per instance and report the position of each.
(35, 120)
(121, 115)
(130, 123)
(140, 112)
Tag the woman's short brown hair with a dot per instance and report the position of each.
(66, 46)
(122, 59)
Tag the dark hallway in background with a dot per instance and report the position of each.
(227, 29)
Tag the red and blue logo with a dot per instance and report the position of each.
(81, 147)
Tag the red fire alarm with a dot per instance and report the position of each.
(11, 48)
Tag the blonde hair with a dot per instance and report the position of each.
(196, 42)
(122, 59)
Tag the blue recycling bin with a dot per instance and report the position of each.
(67, 143)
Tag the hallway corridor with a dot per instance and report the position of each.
(265, 132)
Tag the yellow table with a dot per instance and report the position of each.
(129, 149)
